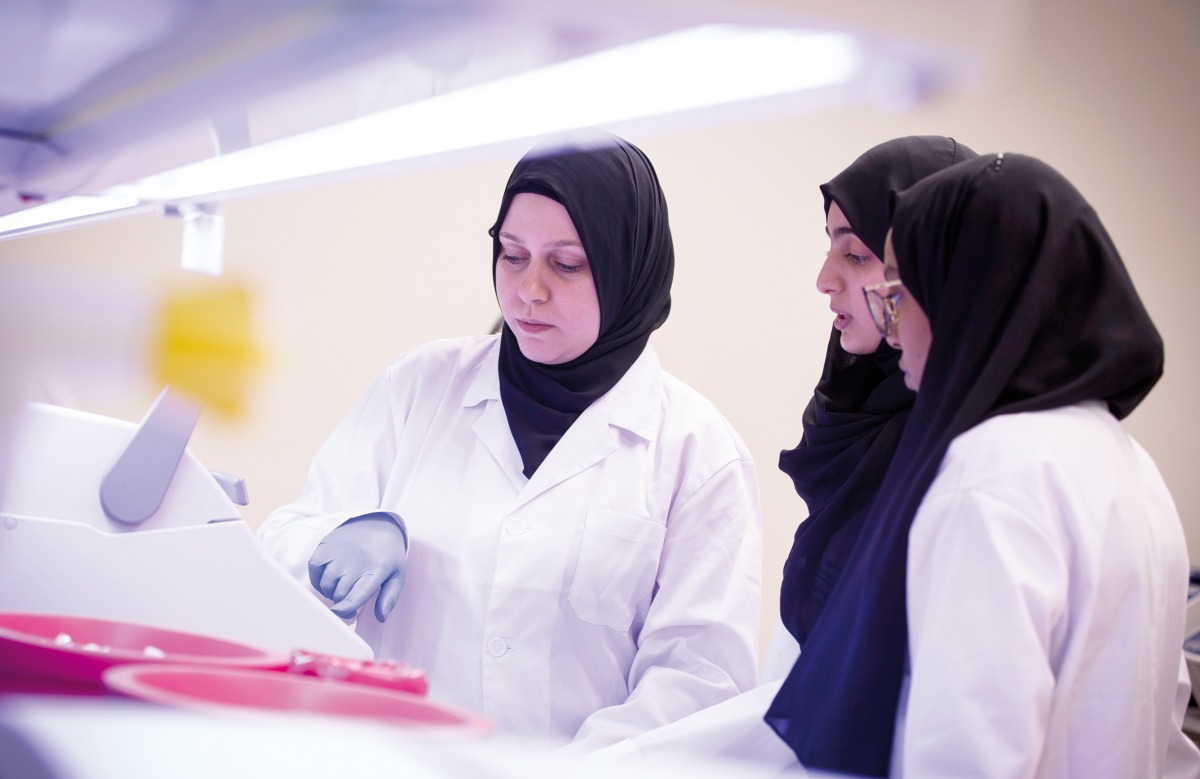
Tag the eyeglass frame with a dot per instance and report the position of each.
(891, 309)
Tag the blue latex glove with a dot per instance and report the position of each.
(360, 557)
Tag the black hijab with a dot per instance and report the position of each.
(612, 194)
(853, 422)
(1030, 308)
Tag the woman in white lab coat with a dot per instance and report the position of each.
(582, 529)
(1018, 606)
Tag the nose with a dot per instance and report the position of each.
(533, 287)
(828, 282)
(893, 338)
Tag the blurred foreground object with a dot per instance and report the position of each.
(388, 674)
(191, 564)
(114, 738)
(206, 346)
(50, 653)
(109, 337)
(116, 107)
(238, 691)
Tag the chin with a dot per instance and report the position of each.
(859, 345)
(537, 353)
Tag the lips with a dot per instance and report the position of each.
(533, 326)
(841, 321)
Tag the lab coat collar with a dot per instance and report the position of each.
(486, 383)
(492, 424)
(634, 404)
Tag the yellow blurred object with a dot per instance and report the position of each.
(206, 348)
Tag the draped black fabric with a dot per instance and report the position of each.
(853, 422)
(864, 191)
(837, 469)
(1031, 308)
(612, 194)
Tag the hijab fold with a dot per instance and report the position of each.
(612, 195)
(1031, 308)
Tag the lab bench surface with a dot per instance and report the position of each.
(74, 737)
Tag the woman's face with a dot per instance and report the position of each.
(544, 283)
(849, 266)
(911, 335)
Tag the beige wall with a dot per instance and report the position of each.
(346, 275)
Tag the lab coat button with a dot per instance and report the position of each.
(516, 526)
(497, 647)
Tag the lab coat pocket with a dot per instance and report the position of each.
(617, 565)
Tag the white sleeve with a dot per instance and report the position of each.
(986, 587)
(346, 479)
(699, 644)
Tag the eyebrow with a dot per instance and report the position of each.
(566, 242)
(839, 232)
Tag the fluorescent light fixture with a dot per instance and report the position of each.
(67, 212)
(687, 70)
(692, 69)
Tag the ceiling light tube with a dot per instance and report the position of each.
(683, 71)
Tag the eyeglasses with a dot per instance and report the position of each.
(884, 305)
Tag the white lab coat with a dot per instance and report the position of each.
(616, 590)
(1047, 579)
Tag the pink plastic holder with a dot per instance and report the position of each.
(49, 653)
(379, 673)
(225, 689)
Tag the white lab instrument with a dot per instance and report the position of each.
(108, 519)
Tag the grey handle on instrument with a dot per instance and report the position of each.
(134, 488)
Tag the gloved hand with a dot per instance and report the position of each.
(359, 557)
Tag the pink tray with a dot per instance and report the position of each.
(67, 654)
(213, 688)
